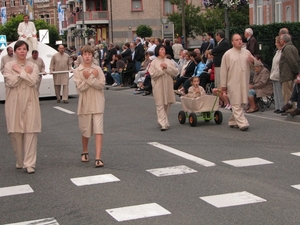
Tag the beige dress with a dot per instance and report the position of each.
(192, 94)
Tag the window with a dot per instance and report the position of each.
(3, 3)
(45, 17)
(278, 11)
(136, 5)
(101, 5)
(12, 3)
(168, 7)
(21, 2)
(259, 12)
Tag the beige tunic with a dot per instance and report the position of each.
(235, 75)
(78, 61)
(5, 59)
(22, 109)
(91, 91)
(162, 81)
(39, 62)
(60, 62)
(192, 93)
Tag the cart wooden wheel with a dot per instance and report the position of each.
(218, 117)
(193, 119)
(181, 117)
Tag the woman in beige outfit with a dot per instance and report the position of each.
(22, 109)
(90, 82)
(162, 72)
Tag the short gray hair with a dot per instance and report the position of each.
(249, 31)
(286, 38)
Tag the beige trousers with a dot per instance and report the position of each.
(287, 90)
(217, 77)
(65, 92)
(25, 148)
(38, 84)
(32, 43)
(238, 117)
(162, 112)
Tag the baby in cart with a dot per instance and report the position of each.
(195, 90)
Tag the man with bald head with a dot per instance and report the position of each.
(234, 77)
(283, 31)
(61, 62)
(7, 58)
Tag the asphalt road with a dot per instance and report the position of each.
(133, 147)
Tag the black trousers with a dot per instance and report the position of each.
(296, 95)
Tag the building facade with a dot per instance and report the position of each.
(273, 11)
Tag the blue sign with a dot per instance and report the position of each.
(3, 43)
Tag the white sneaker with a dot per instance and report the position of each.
(114, 84)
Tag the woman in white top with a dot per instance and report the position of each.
(274, 76)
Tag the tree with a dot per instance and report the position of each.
(224, 3)
(143, 31)
(11, 26)
(193, 19)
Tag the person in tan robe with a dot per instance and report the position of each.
(22, 109)
(7, 58)
(234, 77)
(61, 62)
(41, 65)
(162, 72)
(90, 83)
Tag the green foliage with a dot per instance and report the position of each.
(143, 31)
(265, 35)
(11, 26)
(193, 20)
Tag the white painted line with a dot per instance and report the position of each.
(297, 186)
(137, 212)
(47, 221)
(15, 190)
(232, 199)
(64, 110)
(247, 162)
(97, 179)
(169, 171)
(296, 153)
(174, 151)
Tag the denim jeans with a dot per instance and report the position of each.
(117, 78)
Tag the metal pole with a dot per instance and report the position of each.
(226, 21)
(183, 22)
(111, 24)
(82, 12)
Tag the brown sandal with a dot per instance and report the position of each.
(251, 110)
(99, 163)
(85, 158)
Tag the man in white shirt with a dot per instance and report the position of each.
(27, 32)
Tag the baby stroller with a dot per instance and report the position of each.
(204, 108)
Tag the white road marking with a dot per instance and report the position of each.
(47, 221)
(64, 110)
(232, 199)
(297, 186)
(137, 212)
(247, 162)
(296, 153)
(185, 155)
(169, 171)
(97, 179)
(15, 190)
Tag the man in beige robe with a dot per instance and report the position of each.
(162, 87)
(61, 62)
(22, 111)
(27, 32)
(7, 58)
(41, 65)
(235, 74)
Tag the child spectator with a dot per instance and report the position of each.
(90, 82)
(195, 90)
(116, 75)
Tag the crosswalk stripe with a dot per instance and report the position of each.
(64, 110)
(255, 161)
(185, 155)
(232, 199)
(137, 212)
(47, 221)
(97, 179)
(297, 186)
(15, 190)
(169, 171)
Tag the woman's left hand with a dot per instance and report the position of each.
(163, 65)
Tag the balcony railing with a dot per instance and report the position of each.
(88, 17)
